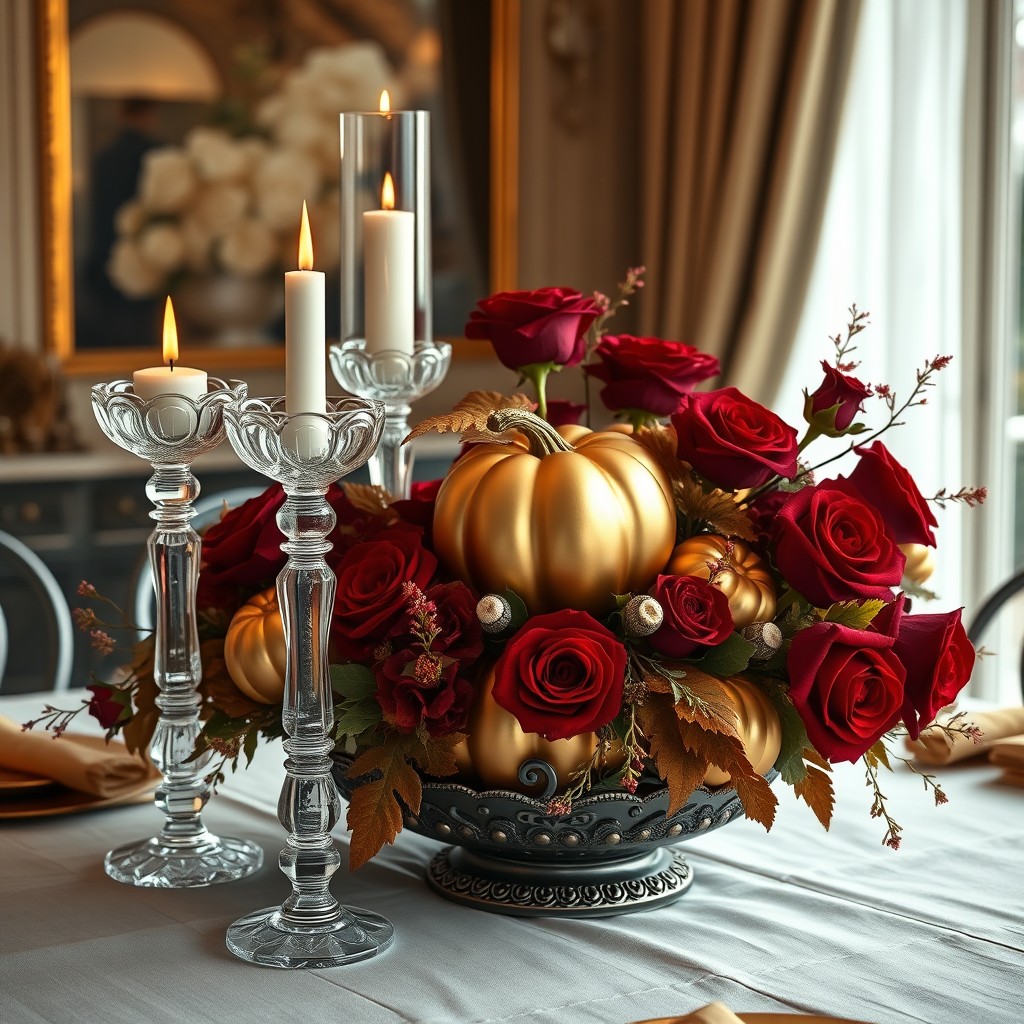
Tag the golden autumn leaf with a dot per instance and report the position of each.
(703, 700)
(470, 414)
(682, 769)
(661, 442)
(815, 789)
(368, 498)
(437, 756)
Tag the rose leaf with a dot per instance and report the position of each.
(353, 681)
(856, 615)
(729, 658)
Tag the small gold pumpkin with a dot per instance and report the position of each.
(495, 746)
(920, 563)
(747, 582)
(255, 649)
(759, 729)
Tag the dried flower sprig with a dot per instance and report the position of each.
(972, 497)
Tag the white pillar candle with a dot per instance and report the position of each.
(388, 255)
(305, 340)
(155, 381)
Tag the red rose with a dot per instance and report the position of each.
(732, 441)
(543, 326)
(460, 635)
(243, 550)
(370, 575)
(939, 660)
(418, 508)
(561, 675)
(847, 685)
(837, 390)
(107, 704)
(562, 412)
(762, 512)
(414, 688)
(831, 545)
(696, 615)
(891, 489)
(649, 374)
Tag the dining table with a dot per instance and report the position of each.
(793, 921)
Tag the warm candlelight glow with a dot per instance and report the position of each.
(170, 334)
(385, 102)
(305, 242)
(387, 193)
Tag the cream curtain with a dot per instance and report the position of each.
(740, 119)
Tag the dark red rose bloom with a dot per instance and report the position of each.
(831, 545)
(762, 512)
(562, 412)
(939, 660)
(649, 374)
(543, 326)
(415, 688)
(106, 704)
(891, 489)
(847, 685)
(418, 508)
(369, 598)
(696, 615)
(732, 441)
(842, 390)
(461, 636)
(561, 675)
(887, 621)
(243, 550)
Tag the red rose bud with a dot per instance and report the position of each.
(939, 660)
(528, 328)
(837, 401)
(696, 615)
(370, 598)
(831, 545)
(561, 675)
(891, 489)
(562, 413)
(460, 636)
(415, 689)
(847, 685)
(107, 704)
(732, 441)
(648, 374)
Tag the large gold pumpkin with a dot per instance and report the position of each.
(495, 746)
(255, 649)
(759, 729)
(747, 582)
(563, 526)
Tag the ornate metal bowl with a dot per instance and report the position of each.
(608, 856)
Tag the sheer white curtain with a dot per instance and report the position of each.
(892, 242)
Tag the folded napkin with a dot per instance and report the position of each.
(85, 763)
(933, 746)
(1008, 754)
(713, 1013)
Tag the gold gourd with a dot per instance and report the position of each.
(563, 525)
(759, 729)
(495, 746)
(747, 582)
(920, 563)
(255, 649)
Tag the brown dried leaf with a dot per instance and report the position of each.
(717, 510)
(470, 414)
(661, 442)
(682, 769)
(437, 756)
(368, 498)
(138, 732)
(704, 701)
(810, 754)
(218, 688)
(816, 791)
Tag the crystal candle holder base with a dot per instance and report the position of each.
(311, 929)
(396, 379)
(170, 432)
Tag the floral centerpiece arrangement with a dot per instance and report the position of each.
(656, 604)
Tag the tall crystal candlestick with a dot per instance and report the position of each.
(170, 431)
(310, 929)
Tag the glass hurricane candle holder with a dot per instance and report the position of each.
(396, 379)
(170, 432)
(310, 929)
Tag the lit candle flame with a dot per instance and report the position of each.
(305, 242)
(387, 193)
(385, 102)
(170, 335)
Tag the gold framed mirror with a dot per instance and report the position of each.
(493, 191)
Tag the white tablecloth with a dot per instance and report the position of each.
(794, 920)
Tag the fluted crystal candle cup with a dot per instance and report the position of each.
(170, 432)
(310, 929)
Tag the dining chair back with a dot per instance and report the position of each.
(991, 608)
(35, 620)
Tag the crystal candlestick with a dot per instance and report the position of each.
(170, 432)
(310, 929)
(396, 379)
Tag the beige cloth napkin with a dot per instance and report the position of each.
(933, 746)
(713, 1013)
(85, 763)
(1008, 754)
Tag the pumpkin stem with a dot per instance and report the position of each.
(543, 438)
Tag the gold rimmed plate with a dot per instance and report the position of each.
(14, 784)
(57, 800)
(766, 1018)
